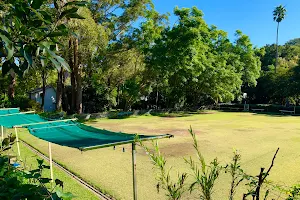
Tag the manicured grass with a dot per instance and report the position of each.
(70, 185)
(256, 136)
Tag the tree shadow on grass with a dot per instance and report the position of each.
(175, 114)
(171, 115)
(271, 114)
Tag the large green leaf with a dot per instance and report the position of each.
(36, 4)
(74, 16)
(27, 56)
(55, 63)
(44, 45)
(56, 41)
(67, 12)
(46, 15)
(40, 16)
(62, 27)
(8, 46)
(57, 60)
(43, 60)
(64, 195)
(64, 64)
(17, 23)
(10, 50)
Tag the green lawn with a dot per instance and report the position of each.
(256, 136)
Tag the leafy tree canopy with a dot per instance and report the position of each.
(29, 30)
(195, 62)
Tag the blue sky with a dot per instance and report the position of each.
(253, 17)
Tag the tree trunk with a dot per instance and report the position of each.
(79, 91)
(277, 47)
(11, 87)
(73, 73)
(118, 96)
(59, 91)
(156, 100)
(65, 102)
(78, 81)
(43, 87)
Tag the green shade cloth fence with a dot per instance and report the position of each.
(15, 119)
(83, 137)
(5, 111)
(72, 134)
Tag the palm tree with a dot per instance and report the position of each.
(278, 15)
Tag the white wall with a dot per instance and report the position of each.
(50, 99)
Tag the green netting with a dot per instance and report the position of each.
(9, 111)
(76, 135)
(70, 133)
(20, 118)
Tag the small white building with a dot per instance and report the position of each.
(50, 97)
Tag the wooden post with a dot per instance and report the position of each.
(134, 172)
(2, 134)
(50, 161)
(17, 140)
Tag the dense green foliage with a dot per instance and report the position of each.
(115, 64)
(103, 55)
(21, 183)
(195, 64)
(282, 86)
(28, 33)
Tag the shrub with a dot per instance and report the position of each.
(17, 183)
(24, 103)
(54, 115)
(119, 115)
(4, 101)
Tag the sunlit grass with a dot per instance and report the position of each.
(256, 136)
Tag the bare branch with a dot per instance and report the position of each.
(272, 164)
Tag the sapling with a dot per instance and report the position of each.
(205, 176)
